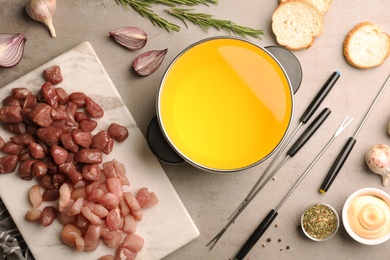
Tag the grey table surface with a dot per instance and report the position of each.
(210, 198)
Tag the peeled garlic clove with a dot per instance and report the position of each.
(42, 11)
(132, 38)
(149, 62)
(11, 49)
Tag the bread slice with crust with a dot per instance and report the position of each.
(366, 46)
(322, 5)
(296, 23)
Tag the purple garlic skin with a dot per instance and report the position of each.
(149, 62)
(132, 38)
(11, 49)
(378, 160)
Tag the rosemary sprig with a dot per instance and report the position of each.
(206, 21)
(143, 8)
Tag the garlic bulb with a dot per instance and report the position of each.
(378, 160)
(148, 62)
(132, 38)
(42, 11)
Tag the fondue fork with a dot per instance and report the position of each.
(267, 221)
(309, 112)
(344, 153)
(305, 136)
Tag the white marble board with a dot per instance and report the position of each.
(165, 227)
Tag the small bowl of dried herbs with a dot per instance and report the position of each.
(320, 222)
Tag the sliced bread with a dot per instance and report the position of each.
(296, 23)
(322, 5)
(366, 46)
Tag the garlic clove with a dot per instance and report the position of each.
(132, 38)
(385, 180)
(42, 11)
(11, 49)
(148, 62)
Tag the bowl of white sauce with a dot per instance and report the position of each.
(366, 216)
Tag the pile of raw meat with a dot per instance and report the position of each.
(55, 143)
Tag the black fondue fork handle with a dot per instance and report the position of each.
(309, 131)
(337, 165)
(316, 102)
(259, 231)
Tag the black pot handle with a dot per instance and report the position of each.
(159, 145)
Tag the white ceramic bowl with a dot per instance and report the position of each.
(366, 191)
(328, 237)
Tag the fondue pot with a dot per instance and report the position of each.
(224, 104)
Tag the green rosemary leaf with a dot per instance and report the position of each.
(143, 8)
(206, 21)
(183, 2)
(162, 2)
